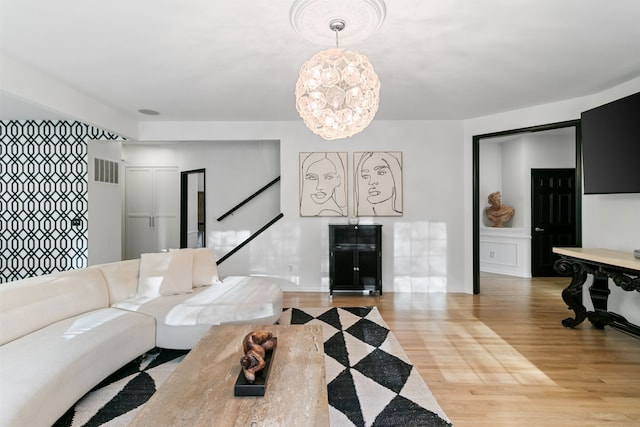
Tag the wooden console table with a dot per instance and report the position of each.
(200, 392)
(603, 264)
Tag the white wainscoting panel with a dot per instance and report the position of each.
(505, 251)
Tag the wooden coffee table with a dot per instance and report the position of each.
(200, 392)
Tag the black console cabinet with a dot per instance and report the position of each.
(355, 258)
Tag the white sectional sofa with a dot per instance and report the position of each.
(61, 334)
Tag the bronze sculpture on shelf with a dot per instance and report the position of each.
(498, 213)
(255, 344)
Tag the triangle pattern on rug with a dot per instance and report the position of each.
(370, 380)
(112, 401)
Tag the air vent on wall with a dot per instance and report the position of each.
(105, 171)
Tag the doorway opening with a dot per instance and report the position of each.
(193, 209)
(526, 222)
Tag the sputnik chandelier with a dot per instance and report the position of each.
(338, 91)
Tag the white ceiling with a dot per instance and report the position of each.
(238, 60)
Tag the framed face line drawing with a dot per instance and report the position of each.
(323, 184)
(377, 178)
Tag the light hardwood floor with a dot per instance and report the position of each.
(502, 358)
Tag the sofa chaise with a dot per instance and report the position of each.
(63, 333)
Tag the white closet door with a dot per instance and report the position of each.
(140, 237)
(166, 205)
(152, 209)
(139, 194)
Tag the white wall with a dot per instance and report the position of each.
(420, 249)
(612, 221)
(490, 175)
(532, 151)
(25, 83)
(234, 171)
(105, 206)
(609, 221)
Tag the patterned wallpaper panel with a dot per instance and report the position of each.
(43, 186)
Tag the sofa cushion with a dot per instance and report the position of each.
(178, 277)
(165, 273)
(44, 373)
(205, 269)
(181, 320)
(122, 279)
(30, 304)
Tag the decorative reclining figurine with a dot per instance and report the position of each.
(255, 344)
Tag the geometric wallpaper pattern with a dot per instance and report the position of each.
(43, 187)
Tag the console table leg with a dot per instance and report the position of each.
(572, 294)
(599, 292)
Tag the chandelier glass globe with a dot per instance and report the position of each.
(337, 93)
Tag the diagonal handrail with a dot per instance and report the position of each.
(245, 201)
(248, 239)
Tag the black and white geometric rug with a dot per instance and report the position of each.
(370, 380)
(114, 402)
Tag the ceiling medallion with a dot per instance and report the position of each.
(337, 93)
(362, 18)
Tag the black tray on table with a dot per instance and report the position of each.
(258, 387)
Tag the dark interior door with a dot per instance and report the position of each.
(553, 216)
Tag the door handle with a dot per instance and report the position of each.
(539, 229)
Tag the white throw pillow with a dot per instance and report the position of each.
(178, 278)
(205, 270)
(165, 273)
